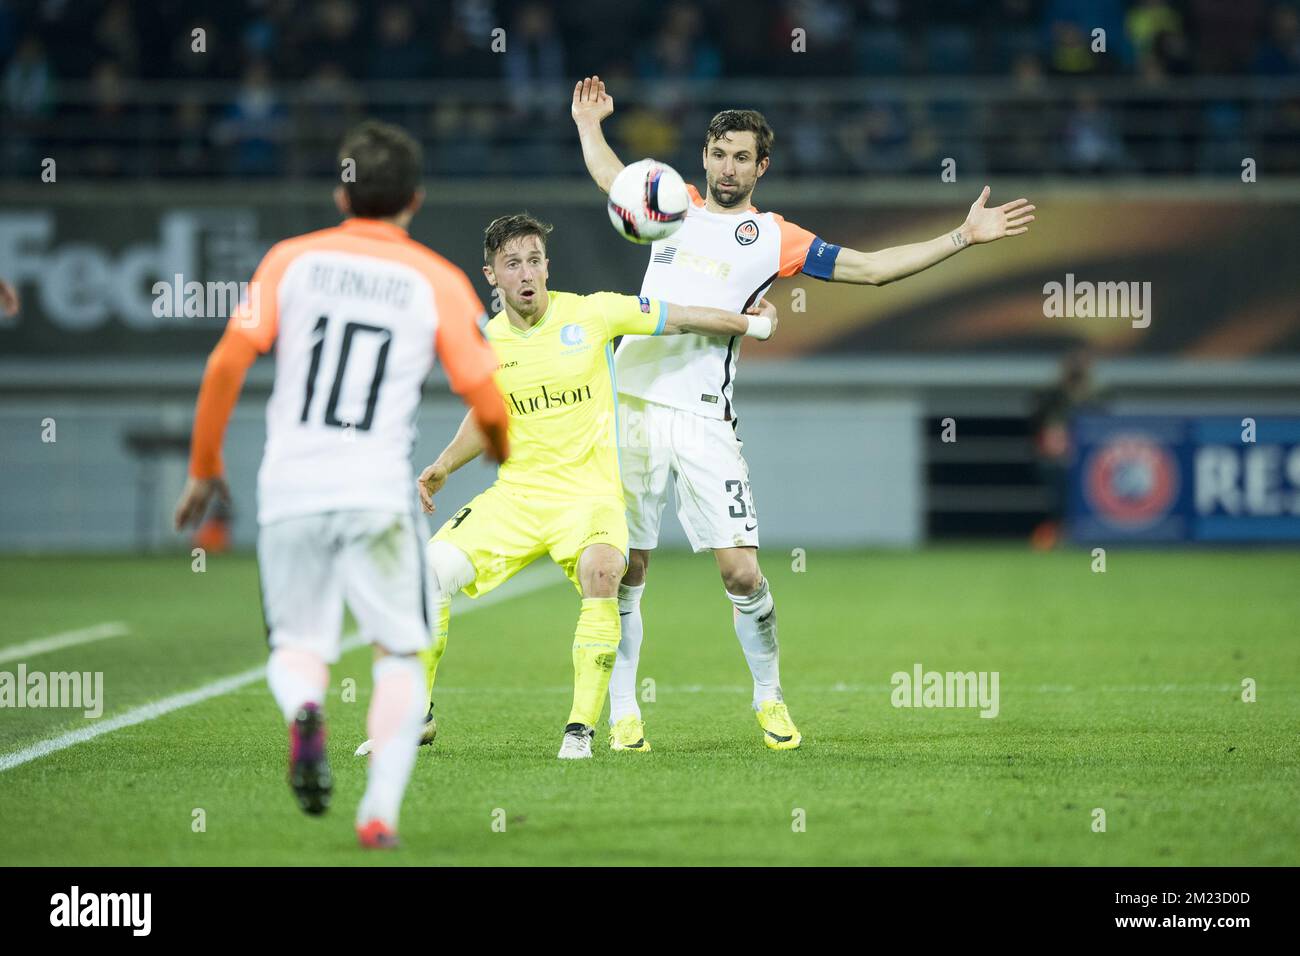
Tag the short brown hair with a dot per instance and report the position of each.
(742, 121)
(387, 162)
(505, 228)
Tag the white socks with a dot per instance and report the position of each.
(755, 619)
(394, 722)
(297, 677)
(622, 682)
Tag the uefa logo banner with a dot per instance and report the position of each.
(1131, 481)
(1179, 479)
(1127, 479)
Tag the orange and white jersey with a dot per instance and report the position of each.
(356, 314)
(725, 261)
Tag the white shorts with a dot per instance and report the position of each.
(702, 456)
(372, 560)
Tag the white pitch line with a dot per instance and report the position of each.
(43, 645)
(137, 715)
(524, 584)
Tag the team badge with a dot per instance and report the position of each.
(747, 232)
(571, 334)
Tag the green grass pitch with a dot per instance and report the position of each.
(1120, 691)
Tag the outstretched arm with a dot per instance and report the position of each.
(898, 262)
(759, 321)
(591, 104)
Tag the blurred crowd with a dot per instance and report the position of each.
(258, 87)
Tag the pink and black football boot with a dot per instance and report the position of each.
(309, 767)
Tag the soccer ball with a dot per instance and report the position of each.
(647, 201)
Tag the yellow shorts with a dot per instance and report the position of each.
(505, 529)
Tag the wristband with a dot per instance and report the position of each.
(760, 326)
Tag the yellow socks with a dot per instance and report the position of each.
(595, 644)
(431, 657)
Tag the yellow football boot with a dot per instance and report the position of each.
(628, 734)
(779, 731)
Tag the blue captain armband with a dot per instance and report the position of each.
(820, 261)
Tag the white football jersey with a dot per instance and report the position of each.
(356, 314)
(726, 261)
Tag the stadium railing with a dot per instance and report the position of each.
(1111, 126)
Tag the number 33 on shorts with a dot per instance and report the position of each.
(740, 504)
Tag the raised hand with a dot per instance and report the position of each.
(984, 224)
(591, 103)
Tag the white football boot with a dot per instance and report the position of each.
(577, 742)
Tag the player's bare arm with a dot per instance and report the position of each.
(591, 104)
(758, 322)
(9, 302)
(983, 224)
(464, 448)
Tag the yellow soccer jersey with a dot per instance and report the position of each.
(557, 379)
